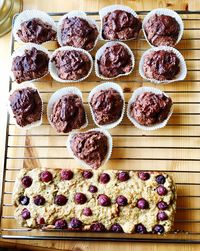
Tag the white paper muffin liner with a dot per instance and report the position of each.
(104, 11)
(100, 52)
(20, 52)
(109, 152)
(53, 70)
(58, 95)
(29, 126)
(106, 86)
(27, 15)
(167, 12)
(183, 68)
(80, 14)
(134, 96)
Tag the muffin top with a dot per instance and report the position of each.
(114, 61)
(26, 106)
(31, 65)
(77, 32)
(71, 64)
(120, 25)
(90, 147)
(150, 108)
(162, 30)
(161, 65)
(106, 106)
(36, 31)
(68, 113)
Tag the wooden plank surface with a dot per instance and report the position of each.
(165, 149)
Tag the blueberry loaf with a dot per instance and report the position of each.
(109, 200)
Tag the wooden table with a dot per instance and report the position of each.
(87, 5)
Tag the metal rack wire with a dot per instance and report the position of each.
(174, 149)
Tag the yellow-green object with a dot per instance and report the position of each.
(8, 8)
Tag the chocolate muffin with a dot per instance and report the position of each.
(106, 106)
(68, 113)
(71, 64)
(90, 147)
(161, 65)
(114, 61)
(77, 32)
(120, 25)
(32, 65)
(36, 31)
(150, 108)
(162, 30)
(26, 106)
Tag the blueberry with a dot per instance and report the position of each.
(26, 181)
(162, 205)
(60, 224)
(87, 174)
(75, 223)
(26, 214)
(143, 175)
(97, 227)
(39, 200)
(46, 176)
(161, 216)
(80, 198)
(140, 229)
(123, 176)
(87, 211)
(93, 189)
(116, 228)
(24, 200)
(160, 179)
(161, 190)
(104, 200)
(60, 200)
(158, 229)
(142, 204)
(66, 174)
(40, 221)
(121, 200)
(104, 178)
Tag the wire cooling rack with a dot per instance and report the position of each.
(174, 149)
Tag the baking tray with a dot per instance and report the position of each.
(174, 149)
